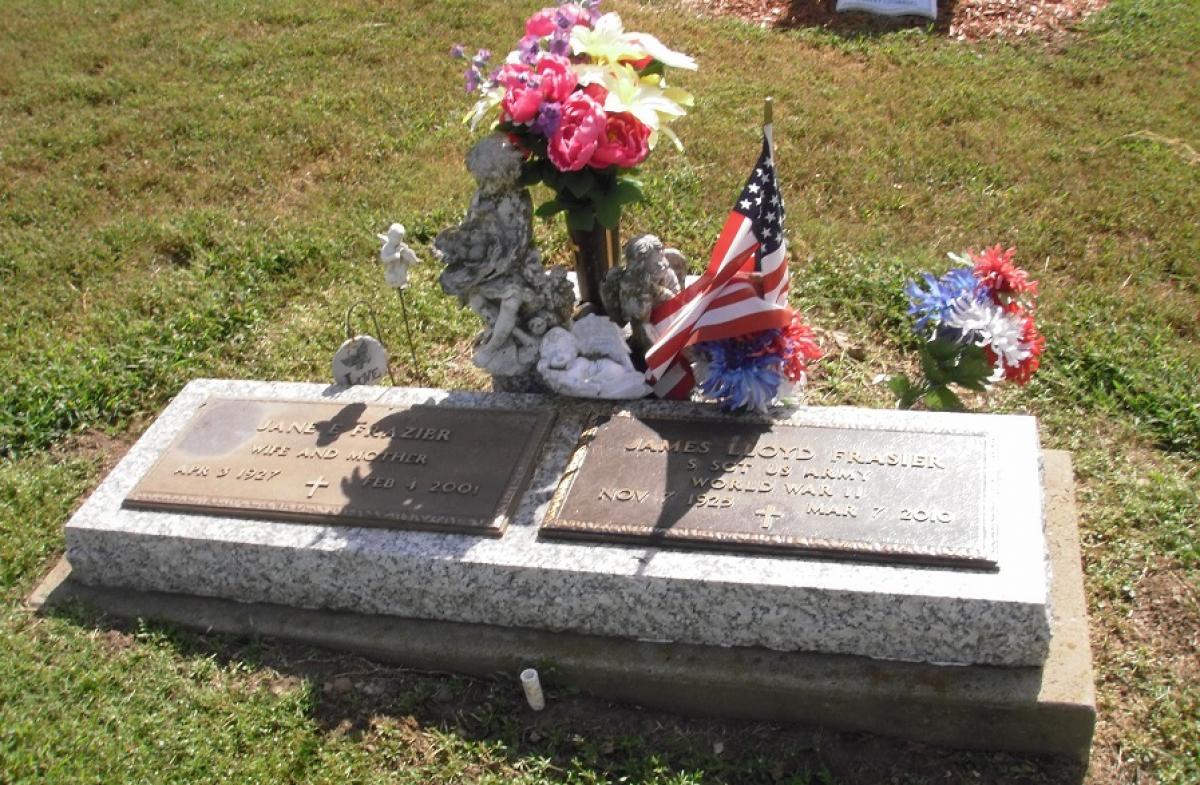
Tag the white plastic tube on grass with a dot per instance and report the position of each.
(533, 689)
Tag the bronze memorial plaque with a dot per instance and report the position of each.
(404, 467)
(845, 492)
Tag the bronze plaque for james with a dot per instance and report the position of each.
(408, 467)
(859, 493)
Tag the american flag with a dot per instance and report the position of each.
(744, 289)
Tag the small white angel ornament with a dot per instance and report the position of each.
(396, 256)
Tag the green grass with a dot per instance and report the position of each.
(192, 189)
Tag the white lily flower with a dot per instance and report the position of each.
(607, 41)
(643, 97)
(484, 106)
(661, 52)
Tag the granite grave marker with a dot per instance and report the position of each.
(970, 585)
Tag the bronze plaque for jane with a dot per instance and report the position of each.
(858, 493)
(408, 467)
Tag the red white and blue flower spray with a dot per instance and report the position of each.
(752, 371)
(978, 322)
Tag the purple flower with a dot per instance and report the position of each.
(548, 117)
(458, 51)
(560, 45)
(530, 47)
(474, 74)
(590, 7)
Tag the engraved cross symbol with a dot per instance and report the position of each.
(768, 514)
(315, 484)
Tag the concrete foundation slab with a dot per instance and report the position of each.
(1048, 709)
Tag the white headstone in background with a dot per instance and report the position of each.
(926, 8)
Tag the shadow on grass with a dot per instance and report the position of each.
(357, 698)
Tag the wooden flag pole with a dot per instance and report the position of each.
(768, 110)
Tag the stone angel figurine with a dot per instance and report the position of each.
(652, 274)
(493, 267)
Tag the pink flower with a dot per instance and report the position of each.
(579, 132)
(522, 95)
(597, 92)
(544, 22)
(521, 103)
(558, 80)
(514, 74)
(541, 24)
(625, 142)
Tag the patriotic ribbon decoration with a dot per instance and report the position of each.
(744, 289)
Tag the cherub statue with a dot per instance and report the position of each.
(493, 267)
(651, 275)
(396, 256)
(591, 360)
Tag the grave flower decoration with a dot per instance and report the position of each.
(978, 324)
(750, 372)
(586, 100)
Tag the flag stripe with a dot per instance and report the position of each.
(676, 382)
(675, 337)
(743, 290)
(739, 244)
(734, 225)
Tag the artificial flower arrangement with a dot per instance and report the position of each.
(978, 322)
(587, 100)
(751, 372)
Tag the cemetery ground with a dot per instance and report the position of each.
(192, 189)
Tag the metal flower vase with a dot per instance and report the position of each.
(596, 251)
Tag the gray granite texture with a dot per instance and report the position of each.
(788, 603)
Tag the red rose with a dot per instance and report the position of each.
(625, 142)
(573, 144)
(557, 79)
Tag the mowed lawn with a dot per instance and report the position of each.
(192, 189)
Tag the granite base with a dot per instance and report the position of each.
(782, 603)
